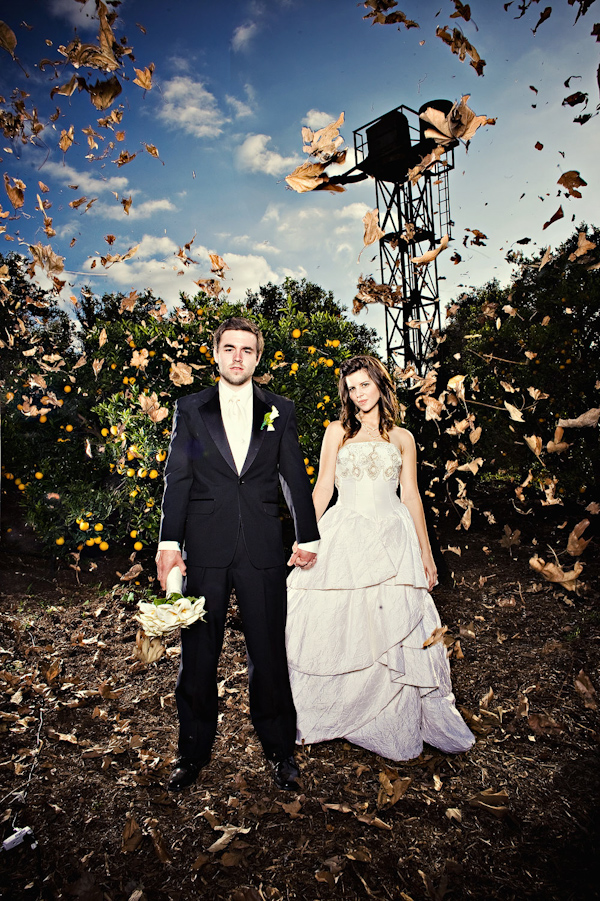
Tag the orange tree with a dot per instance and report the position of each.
(513, 363)
(86, 435)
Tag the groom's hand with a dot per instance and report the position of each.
(303, 559)
(165, 561)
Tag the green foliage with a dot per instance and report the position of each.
(86, 434)
(533, 345)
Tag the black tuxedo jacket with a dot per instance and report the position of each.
(206, 501)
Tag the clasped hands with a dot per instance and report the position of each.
(166, 560)
(302, 559)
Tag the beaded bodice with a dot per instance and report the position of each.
(366, 477)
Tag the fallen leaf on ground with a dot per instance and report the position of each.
(542, 724)
(587, 691)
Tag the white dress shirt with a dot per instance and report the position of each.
(236, 412)
(237, 409)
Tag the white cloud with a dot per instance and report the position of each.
(155, 266)
(136, 211)
(248, 273)
(190, 106)
(87, 183)
(254, 156)
(151, 245)
(242, 108)
(252, 244)
(83, 17)
(242, 36)
(316, 119)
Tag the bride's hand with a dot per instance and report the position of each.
(430, 569)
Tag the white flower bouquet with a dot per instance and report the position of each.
(161, 616)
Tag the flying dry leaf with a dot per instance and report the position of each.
(311, 176)
(559, 214)
(593, 507)
(553, 572)
(46, 259)
(514, 412)
(575, 99)
(110, 259)
(147, 650)
(181, 374)
(104, 93)
(16, 191)
(372, 230)
(587, 691)
(66, 138)
(571, 180)
(124, 158)
(534, 443)
(368, 291)
(546, 258)
(97, 366)
(218, 265)
(150, 404)
(589, 418)
(576, 545)
(151, 149)
(545, 14)
(8, 39)
(380, 15)
(583, 246)
(457, 384)
(140, 358)
(102, 338)
(557, 445)
(325, 143)
(430, 255)
(436, 636)
(144, 77)
(461, 47)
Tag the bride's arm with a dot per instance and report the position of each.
(325, 484)
(412, 499)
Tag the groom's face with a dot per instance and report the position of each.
(237, 356)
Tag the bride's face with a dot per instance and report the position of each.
(363, 391)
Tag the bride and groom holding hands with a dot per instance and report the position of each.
(354, 618)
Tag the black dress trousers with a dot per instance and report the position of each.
(261, 597)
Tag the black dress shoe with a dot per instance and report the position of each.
(186, 772)
(285, 774)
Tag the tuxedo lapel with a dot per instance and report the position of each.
(211, 415)
(259, 408)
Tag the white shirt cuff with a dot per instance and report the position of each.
(168, 546)
(311, 546)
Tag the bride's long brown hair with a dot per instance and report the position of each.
(389, 410)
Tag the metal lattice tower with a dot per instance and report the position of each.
(414, 217)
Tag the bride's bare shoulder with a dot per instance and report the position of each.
(402, 438)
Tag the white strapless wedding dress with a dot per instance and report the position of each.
(357, 622)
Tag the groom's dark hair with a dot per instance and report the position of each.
(238, 323)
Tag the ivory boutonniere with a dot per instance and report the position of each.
(270, 417)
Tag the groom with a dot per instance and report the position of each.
(231, 447)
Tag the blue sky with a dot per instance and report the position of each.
(233, 85)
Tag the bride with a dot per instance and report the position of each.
(358, 621)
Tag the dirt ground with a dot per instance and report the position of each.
(88, 738)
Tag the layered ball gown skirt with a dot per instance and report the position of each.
(358, 619)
